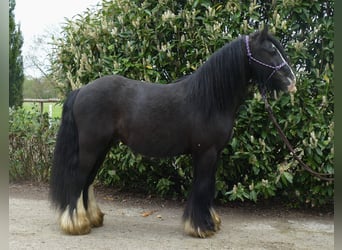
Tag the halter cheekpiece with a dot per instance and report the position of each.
(251, 58)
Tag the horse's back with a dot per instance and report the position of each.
(150, 118)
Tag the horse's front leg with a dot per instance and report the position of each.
(200, 218)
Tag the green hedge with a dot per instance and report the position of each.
(161, 40)
(31, 143)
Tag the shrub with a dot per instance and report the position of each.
(162, 40)
(31, 144)
(165, 177)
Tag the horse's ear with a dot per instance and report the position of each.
(264, 33)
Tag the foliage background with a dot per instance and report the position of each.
(160, 41)
(31, 143)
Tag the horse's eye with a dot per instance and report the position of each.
(272, 49)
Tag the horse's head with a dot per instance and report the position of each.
(270, 66)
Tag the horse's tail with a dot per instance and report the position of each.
(66, 160)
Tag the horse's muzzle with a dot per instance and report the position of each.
(292, 87)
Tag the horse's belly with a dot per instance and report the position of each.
(157, 145)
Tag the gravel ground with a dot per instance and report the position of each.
(133, 222)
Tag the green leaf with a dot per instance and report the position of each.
(288, 176)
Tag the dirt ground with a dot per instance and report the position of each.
(133, 222)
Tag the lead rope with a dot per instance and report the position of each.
(322, 176)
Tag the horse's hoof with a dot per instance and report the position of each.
(203, 229)
(197, 231)
(75, 221)
(216, 219)
(77, 225)
(96, 219)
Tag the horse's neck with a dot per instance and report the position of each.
(225, 102)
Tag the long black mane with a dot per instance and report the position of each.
(220, 83)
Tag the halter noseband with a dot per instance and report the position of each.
(251, 58)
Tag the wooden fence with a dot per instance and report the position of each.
(42, 101)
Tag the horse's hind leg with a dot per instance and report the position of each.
(94, 213)
(200, 218)
(74, 219)
(83, 212)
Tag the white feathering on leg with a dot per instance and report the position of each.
(78, 222)
(94, 213)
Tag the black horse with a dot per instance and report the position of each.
(194, 115)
